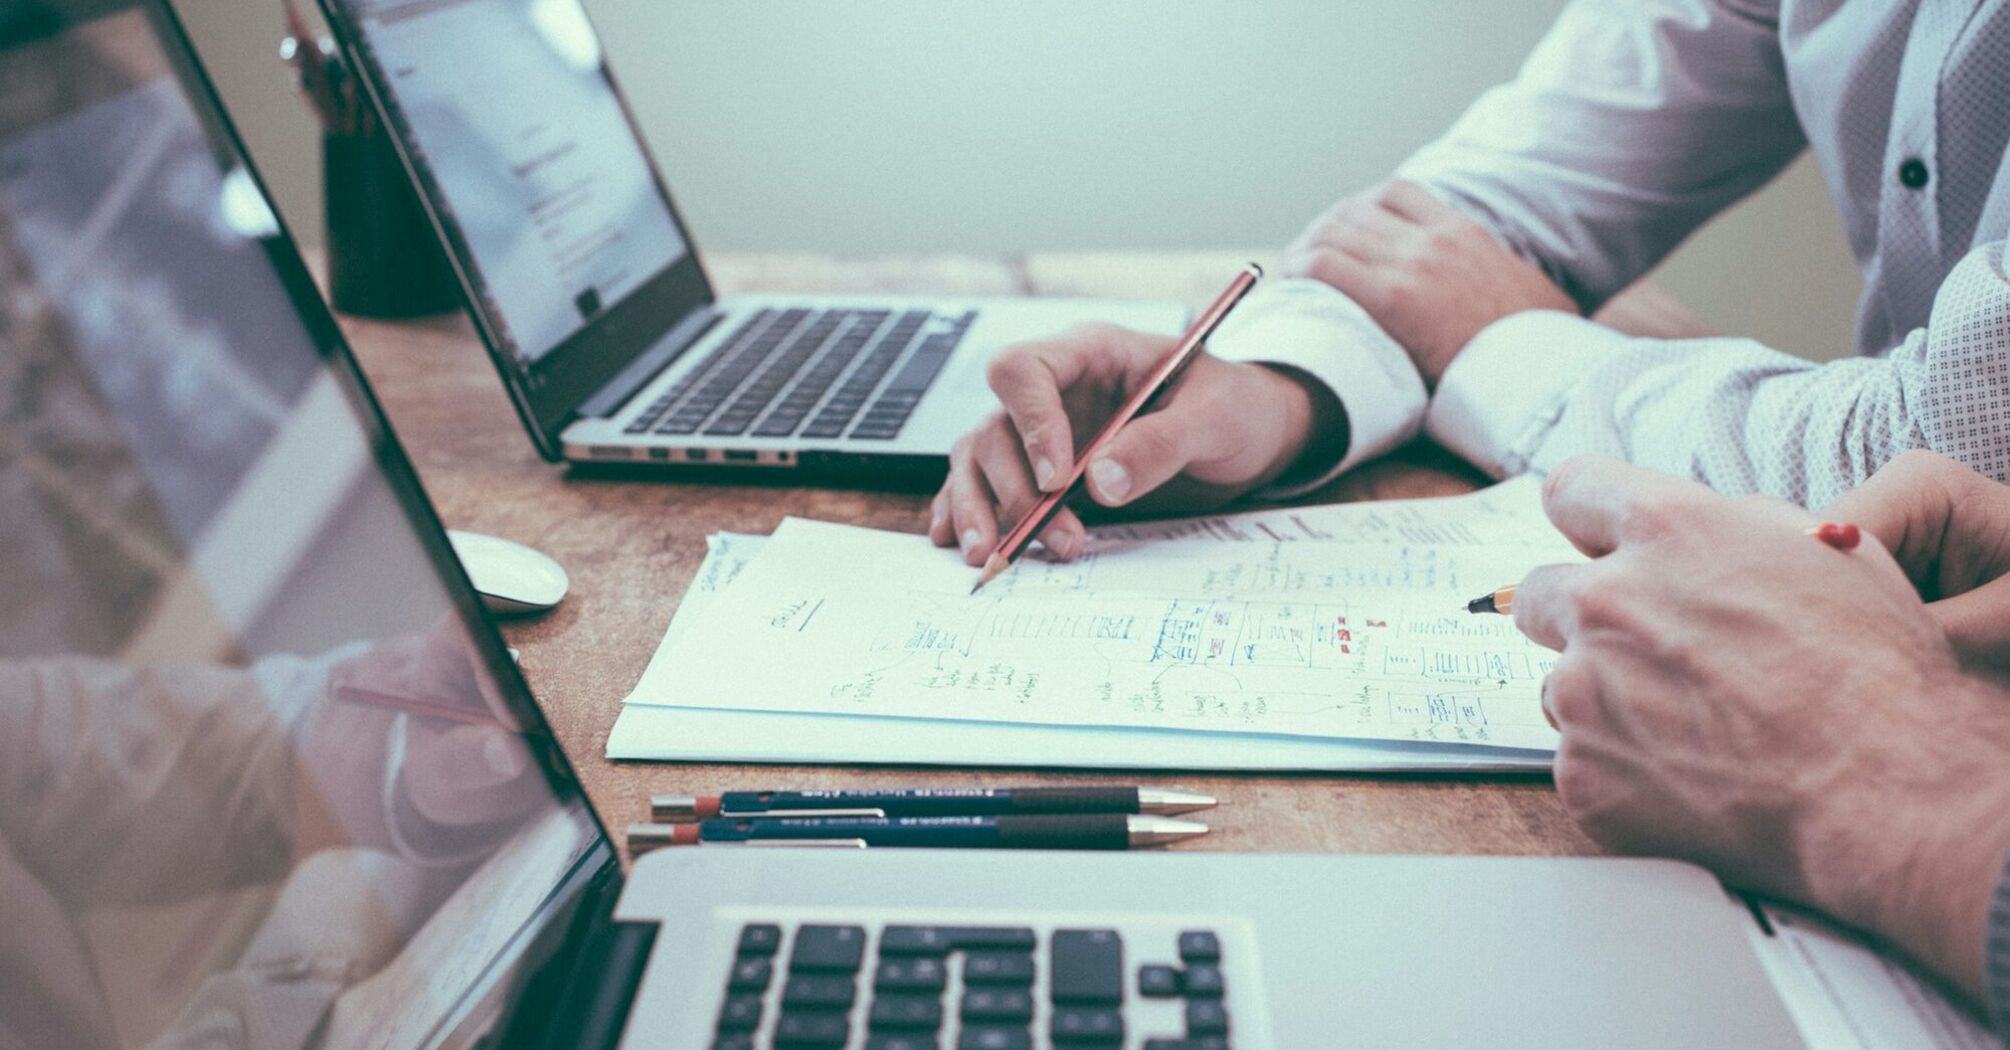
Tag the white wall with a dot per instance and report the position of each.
(934, 125)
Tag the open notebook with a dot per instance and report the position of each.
(1313, 638)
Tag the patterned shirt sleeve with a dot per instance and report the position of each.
(1537, 388)
(1996, 964)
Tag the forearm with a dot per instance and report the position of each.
(1536, 388)
(1627, 128)
(1918, 858)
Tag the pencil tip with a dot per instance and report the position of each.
(978, 586)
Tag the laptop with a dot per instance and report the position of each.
(590, 295)
(270, 779)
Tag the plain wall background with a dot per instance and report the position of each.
(876, 126)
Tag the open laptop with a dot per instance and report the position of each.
(585, 285)
(269, 778)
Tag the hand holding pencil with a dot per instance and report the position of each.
(1229, 428)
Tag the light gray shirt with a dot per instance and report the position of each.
(1630, 125)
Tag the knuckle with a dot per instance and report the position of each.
(1654, 516)
(1602, 604)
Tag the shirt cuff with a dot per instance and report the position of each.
(1309, 326)
(1507, 387)
(1996, 961)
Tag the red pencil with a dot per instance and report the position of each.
(1021, 535)
(356, 694)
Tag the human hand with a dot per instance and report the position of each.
(1949, 528)
(460, 772)
(1735, 693)
(1431, 277)
(1225, 429)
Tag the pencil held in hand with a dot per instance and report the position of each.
(1036, 518)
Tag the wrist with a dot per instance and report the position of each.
(1314, 432)
(1914, 853)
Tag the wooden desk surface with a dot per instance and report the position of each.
(632, 547)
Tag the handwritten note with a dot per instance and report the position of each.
(1335, 622)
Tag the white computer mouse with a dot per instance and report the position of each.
(511, 578)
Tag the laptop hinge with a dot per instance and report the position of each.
(629, 381)
(580, 998)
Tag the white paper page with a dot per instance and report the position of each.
(1846, 996)
(1328, 639)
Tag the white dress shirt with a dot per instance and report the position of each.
(1629, 126)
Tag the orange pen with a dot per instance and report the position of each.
(1021, 535)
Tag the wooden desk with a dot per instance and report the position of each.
(632, 548)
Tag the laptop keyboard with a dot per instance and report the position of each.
(810, 373)
(908, 987)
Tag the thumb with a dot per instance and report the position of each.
(1147, 453)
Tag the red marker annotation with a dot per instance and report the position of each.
(1842, 537)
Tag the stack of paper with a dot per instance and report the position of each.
(1315, 638)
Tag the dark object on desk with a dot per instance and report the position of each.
(929, 802)
(1084, 831)
(383, 260)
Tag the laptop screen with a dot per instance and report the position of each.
(546, 198)
(267, 779)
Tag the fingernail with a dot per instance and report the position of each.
(1066, 545)
(971, 538)
(934, 522)
(1112, 480)
(1043, 472)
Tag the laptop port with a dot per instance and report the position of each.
(740, 455)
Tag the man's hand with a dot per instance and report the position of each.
(1734, 692)
(1949, 527)
(1431, 277)
(1224, 430)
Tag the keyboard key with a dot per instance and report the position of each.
(742, 1013)
(919, 1012)
(1206, 1017)
(902, 1041)
(1203, 981)
(1088, 1024)
(997, 1004)
(1158, 982)
(989, 1037)
(922, 973)
(738, 1041)
(998, 968)
(750, 975)
(941, 940)
(828, 948)
(1086, 966)
(760, 938)
(819, 1028)
(818, 992)
(1199, 946)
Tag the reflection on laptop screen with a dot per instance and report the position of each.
(516, 124)
(259, 785)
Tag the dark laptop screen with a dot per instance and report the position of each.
(569, 248)
(266, 778)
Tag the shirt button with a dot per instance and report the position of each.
(1912, 173)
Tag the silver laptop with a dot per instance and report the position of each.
(584, 282)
